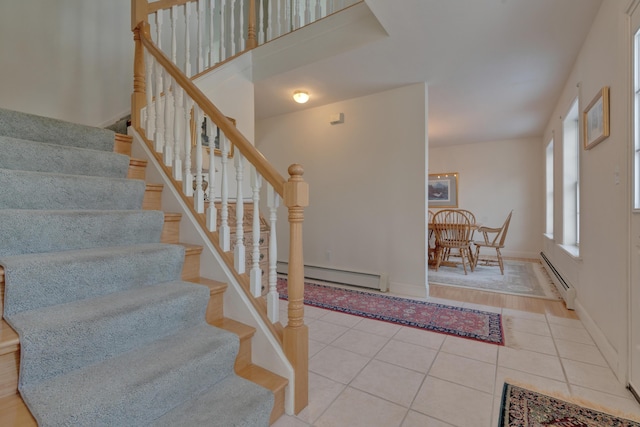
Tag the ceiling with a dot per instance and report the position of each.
(495, 68)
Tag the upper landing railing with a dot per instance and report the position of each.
(174, 41)
(199, 34)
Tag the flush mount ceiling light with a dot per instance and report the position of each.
(300, 96)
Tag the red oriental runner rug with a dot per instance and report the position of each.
(526, 408)
(458, 321)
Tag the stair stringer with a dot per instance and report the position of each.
(266, 350)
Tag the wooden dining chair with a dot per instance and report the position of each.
(472, 221)
(493, 238)
(432, 239)
(453, 231)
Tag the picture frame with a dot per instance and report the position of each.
(595, 119)
(442, 190)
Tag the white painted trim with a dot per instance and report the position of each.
(115, 119)
(408, 290)
(571, 250)
(518, 254)
(610, 354)
(362, 279)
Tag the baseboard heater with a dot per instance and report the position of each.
(566, 290)
(377, 281)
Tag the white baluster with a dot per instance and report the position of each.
(198, 197)
(307, 12)
(178, 117)
(318, 13)
(256, 272)
(159, 123)
(167, 154)
(152, 19)
(223, 47)
(279, 18)
(330, 7)
(187, 47)
(225, 232)
(212, 212)
(261, 26)
(241, 27)
(212, 60)
(296, 14)
(159, 127)
(174, 43)
(199, 33)
(149, 128)
(232, 26)
(273, 201)
(287, 17)
(159, 29)
(239, 252)
(187, 183)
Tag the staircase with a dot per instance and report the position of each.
(60, 382)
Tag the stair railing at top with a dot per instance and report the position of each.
(199, 34)
(165, 106)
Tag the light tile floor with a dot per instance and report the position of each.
(369, 373)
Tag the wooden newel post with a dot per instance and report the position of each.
(139, 14)
(252, 41)
(138, 97)
(296, 333)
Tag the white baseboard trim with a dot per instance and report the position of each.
(405, 289)
(114, 119)
(363, 279)
(610, 354)
(518, 254)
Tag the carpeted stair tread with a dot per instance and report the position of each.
(24, 231)
(233, 402)
(109, 334)
(45, 129)
(20, 154)
(39, 280)
(40, 190)
(138, 386)
(66, 337)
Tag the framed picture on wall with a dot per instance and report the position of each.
(595, 119)
(442, 190)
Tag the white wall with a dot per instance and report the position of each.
(494, 178)
(230, 89)
(367, 182)
(68, 59)
(599, 274)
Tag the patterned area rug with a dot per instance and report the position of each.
(520, 278)
(526, 408)
(462, 322)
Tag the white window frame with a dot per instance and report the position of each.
(636, 121)
(549, 170)
(571, 180)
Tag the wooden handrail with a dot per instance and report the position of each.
(255, 157)
(294, 192)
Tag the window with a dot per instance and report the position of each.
(571, 180)
(636, 122)
(549, 187)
